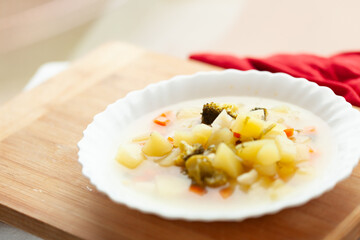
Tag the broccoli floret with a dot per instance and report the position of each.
(194, 160)
(202, 173)
(212, 110)
(186, 151)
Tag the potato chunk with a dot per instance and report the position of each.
(224, 120)
(287, 149)
(248, 126)
(199, 134)
(202, 133)
(248, 178)
(169, 160)
(226, 160)
(221, 135)
(253, 127)
(268, 154)
(248, 150)
(238, 124)
(278, 130)
(130, 155)
(266, 170)
(157, 145)
(186, 136)
(286, 170)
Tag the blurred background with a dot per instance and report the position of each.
(35, 32)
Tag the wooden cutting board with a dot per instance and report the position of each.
(43, 191)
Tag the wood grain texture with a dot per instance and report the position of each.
(43, 191)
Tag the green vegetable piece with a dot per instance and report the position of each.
(201, 171)
(268, 129)
(212, 110)
(186, 151)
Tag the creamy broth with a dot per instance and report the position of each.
(148, 174)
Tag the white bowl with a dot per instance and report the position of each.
(98, 147)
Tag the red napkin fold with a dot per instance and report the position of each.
(340, 72)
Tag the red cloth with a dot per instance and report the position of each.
(340, 72)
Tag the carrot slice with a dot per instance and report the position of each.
(237, 135)
(226, 192)
(162, 121)
(197, 189)
(171, 140)
(289, 132)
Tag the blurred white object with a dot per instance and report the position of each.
(9, 233)
(176, 27)
(45, 72)
(26, 22)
